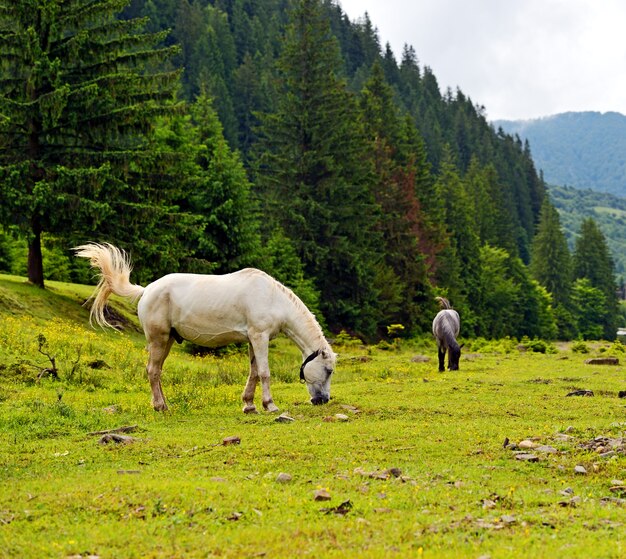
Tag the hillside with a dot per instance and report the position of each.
(579, 149)
(607, 210)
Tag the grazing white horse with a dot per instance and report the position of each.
(213, 311)
(446, 327)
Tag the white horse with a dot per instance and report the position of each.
(213, 311)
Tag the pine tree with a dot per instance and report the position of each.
(551, 266)
(458, 268)
(230, 238)
(399, 171)
(78, 94)
(592, 260)
(312, 175)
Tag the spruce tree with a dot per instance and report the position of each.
(399, 171)
(78, 93)
(458, 268)
(592, 260)
(313, 176)
(551, 266)
(222, 195)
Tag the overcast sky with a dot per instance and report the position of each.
(519, 58)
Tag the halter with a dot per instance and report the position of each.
(309, 358)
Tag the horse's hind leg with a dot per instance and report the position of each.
(260, 345)
(158, 349)
(253, 377)
(442, 358)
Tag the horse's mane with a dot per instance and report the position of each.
(311, 324)
(443, 302)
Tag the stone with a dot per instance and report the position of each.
(602, 361)
(284, 418)
(283, 478)
(580, 470)
(115, 438)
(524, 457)
(546, 448)
(350, 408)
(321, 495)
(420, 359)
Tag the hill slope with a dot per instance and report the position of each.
(579, 149)
(607, 210)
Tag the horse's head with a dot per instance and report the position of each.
(316, 371)
(455, 356)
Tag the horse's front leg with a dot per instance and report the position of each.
(158, 349)
(442, 358)
(253, 377)
(260, 345)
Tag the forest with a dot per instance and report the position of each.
(206, 136)
(579, 149)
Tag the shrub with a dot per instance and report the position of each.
(580, 347)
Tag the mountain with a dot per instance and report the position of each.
(608, 211)
(581, 149)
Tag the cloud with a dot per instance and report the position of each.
(519, 59)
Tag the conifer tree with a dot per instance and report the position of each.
(399, 171)
(230, 238)
(78, 94)
(458, 269)
(313, 174)
(592, 260)
(551, 266)
(590, 310)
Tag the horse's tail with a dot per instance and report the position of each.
(443, 302)
(115, 267)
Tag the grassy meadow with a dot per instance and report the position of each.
(403, 462)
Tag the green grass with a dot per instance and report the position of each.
(176, 491)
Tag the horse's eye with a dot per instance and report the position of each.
(329, 371)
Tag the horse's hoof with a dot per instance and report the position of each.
(250, 409)
(271, 407)
(160, 407)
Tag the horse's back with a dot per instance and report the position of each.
(210, 309)
(446, 319)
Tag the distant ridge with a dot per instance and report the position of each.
(585, 150)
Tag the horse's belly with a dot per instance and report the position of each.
(210, 337)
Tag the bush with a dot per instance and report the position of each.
(344, 339)
(537, 346)
(580, 347)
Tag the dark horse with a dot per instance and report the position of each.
(446, 326)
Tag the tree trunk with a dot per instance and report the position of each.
(35, 259)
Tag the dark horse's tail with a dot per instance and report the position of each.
(443, 302)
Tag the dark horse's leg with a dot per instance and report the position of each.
(442, 357)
